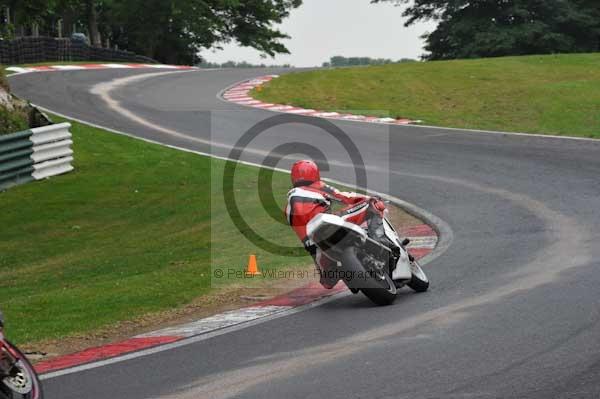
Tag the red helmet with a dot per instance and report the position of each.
(304, 173)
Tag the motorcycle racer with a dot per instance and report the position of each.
(311, 196)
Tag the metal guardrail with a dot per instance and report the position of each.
(35, 154)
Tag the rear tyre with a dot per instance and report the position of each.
(384, 296)
(25, 384)
(419, 281)
(379, 288)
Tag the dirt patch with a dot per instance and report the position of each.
(220, 300)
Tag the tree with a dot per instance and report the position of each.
(339, 61)
(26, 14)
(171, 31)
(92, 22)
(175, 31)
(489, 28)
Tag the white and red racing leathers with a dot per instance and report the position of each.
(306, 202)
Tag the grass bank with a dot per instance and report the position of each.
(554, 94)
(136, 229)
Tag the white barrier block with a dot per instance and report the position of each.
(47, 152)
(51, 133)
(52, 168)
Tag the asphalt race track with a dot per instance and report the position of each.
(514, 307)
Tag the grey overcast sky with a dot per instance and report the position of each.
(320, 29)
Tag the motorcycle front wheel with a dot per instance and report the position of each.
(419, 281)
(24, 383)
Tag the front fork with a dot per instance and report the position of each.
(401, 270)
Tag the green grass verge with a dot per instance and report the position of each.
(133, 230)
(554, 94)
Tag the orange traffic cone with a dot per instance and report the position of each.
(253, 267)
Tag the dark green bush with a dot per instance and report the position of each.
(15, 118)
(3, 81)
(12, 120)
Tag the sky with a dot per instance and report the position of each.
(320, 29)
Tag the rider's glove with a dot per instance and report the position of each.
(378, 205)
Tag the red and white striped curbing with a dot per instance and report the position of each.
(423, 241)
(240, 94)
(82, 67)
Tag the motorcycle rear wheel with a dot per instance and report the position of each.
(380, 289)
(384, 296)
(26, 377)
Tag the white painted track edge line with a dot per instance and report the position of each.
(191, 340)
(181, 329)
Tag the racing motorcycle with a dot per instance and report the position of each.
(18, 379)
(364, 264)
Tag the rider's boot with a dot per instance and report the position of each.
(327, 275)
(376, 231)
(326, 282)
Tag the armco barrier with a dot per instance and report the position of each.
(35, 154)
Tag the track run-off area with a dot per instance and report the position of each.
(513, 310)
